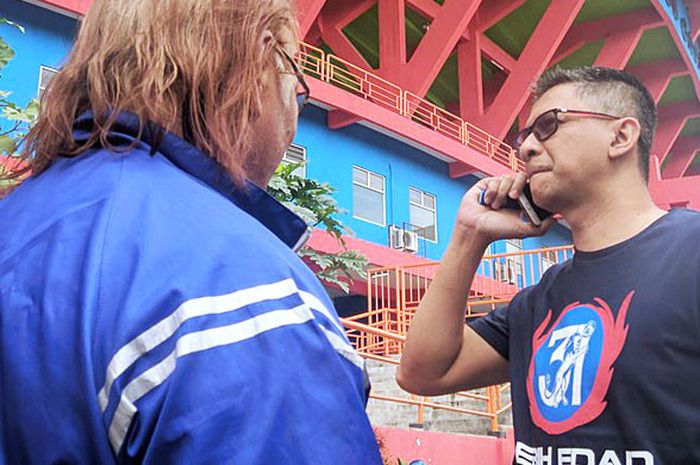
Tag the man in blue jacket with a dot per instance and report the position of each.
(152, 308)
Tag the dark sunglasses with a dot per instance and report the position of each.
(548, 122)
(303, 92)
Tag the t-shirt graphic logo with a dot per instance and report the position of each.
(571, 367)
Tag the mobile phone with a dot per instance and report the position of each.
(535, 214)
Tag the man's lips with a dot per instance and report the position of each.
(534, 171)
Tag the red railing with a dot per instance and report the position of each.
(394, 293)
(490, 398)
(393, 296)
(365, 84)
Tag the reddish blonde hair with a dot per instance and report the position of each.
(192, 66)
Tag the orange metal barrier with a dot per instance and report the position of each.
(492, 399)
(363, 83)
(393, 293)
(423, 112)
(329, 68)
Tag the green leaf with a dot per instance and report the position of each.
(11, 23)
(313, 202)
(7, 145)
(6, 53)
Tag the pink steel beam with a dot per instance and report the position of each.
(340, 44)
(514, 92)
(682, 155)
(656, 75)
(590, 31)
(694, 170)
(307, 11)
(488, 14)
(618, 48)
(672, 118)
(679, 43)
(545, 40)
(694, 11)
(392, 33)
(667, 192)
(495, 10)
(435, 47)
(471, 92)
(496, 53)
(428, 59)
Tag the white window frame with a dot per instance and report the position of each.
(299, 150)
(515, 264)
(382, 192)
(549, 259)
(422, 205)
(40, 89)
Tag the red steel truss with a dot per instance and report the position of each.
(459, 25)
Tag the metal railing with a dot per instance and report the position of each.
(393, 293)
(490, 397)
(367, 85)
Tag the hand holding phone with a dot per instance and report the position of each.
(535, 214)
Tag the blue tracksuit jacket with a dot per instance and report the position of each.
(152, 313)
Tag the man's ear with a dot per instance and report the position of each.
(264, 41)
(625, 137)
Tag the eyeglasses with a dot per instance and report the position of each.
(303, 92)
(548, 122)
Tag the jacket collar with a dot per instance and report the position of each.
(286, 225)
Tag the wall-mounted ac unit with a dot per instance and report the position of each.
(410, 241)
(396, 237)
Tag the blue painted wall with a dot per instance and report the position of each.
(47, 39)
(331, 154)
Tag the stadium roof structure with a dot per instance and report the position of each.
(476, 59)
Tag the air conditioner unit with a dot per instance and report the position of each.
(396, 237)
(410, 241)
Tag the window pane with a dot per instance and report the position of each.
(295, 154)
(414, 196)
(368, 204)
(45, 77)
(429, 201)
(376, 181)
(425, 221)
(359, 175)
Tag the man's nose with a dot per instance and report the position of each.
(529, 148)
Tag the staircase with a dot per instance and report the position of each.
(393, 414)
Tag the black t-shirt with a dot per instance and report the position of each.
(604, 353)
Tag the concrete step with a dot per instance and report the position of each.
(385, 413)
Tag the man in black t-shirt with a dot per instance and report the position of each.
(603, 354)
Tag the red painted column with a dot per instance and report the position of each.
(334, 17)
(471, 92)
(682, 155)
(392, 36)
(437, 45)
(307, 11)
(618, 49)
